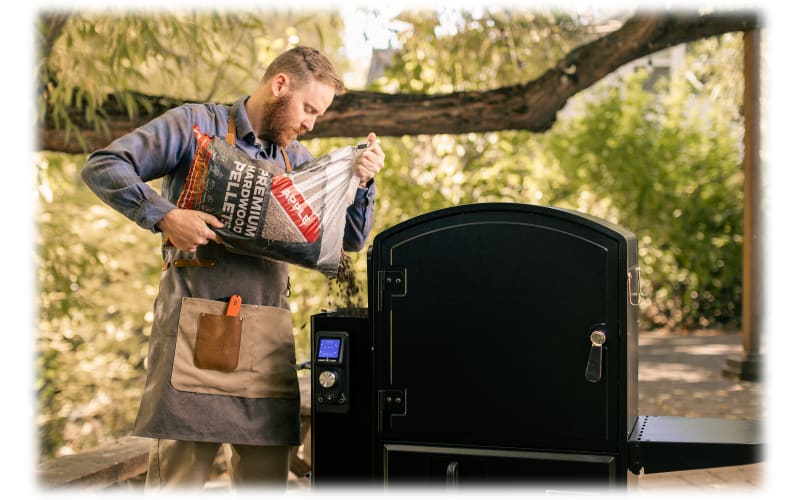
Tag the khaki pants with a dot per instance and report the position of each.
(186, 464)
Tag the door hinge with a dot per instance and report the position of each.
(391, 402)
(392, 283)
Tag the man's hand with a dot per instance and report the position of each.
(188, 229)
(370, 161)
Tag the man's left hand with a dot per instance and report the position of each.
(369, 161)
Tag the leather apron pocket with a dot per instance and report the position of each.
(266, 354)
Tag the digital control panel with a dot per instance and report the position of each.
(330, 372)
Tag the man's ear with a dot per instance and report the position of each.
(280, 84)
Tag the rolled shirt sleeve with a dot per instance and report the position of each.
(360, 218)
(118, 174)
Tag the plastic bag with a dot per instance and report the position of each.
(297, 217)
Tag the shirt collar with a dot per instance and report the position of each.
(244, 130)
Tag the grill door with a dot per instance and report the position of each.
(483, 321)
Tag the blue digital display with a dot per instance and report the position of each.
(329, 348)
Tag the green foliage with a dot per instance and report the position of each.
(456, 50)
(193, 55)
(668, 167)
(97, 278)
(459, 50)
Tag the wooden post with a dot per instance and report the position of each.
(747, 366)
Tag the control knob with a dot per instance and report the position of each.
(327, 379)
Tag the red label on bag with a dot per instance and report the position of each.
(295, 205)
(195, 182)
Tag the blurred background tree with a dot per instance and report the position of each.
(661, 159)
(667, 166)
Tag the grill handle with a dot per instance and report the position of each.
(594, 366)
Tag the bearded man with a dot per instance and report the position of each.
(254, 409)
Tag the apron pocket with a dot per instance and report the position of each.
(217, 342)
(264, 367)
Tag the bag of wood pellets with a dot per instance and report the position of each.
(296, 217)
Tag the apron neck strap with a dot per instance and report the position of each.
(286, 160)
(230, 137)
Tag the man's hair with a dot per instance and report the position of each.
(302, 63)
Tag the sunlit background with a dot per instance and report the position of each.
(372, 28)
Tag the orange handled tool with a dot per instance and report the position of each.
(233, 305)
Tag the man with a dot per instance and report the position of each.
(255, 409)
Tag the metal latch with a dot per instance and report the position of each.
(594, 366)
(634, 287)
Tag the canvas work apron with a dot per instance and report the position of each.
(256, 400)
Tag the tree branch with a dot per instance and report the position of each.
(532, 106)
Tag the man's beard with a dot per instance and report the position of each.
(275, 125)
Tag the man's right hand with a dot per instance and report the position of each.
(188, 229)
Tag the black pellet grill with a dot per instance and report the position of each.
(499, 347)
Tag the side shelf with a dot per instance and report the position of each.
(668, 444)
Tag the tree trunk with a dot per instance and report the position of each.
(531, 106)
